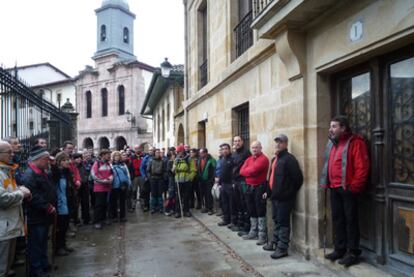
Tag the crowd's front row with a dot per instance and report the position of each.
(53, 186)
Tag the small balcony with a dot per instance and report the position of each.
(243, 34)
(272, 16)
(203, 74)
(259, 6)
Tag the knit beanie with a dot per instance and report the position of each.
(37, 152)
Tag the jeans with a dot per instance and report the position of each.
(281, 211)
(37, 247)
(344, 206)
(4, 256)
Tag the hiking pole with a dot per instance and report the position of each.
(179, 199)
(325, 221)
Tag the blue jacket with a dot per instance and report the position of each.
(121, 175)
(144, 165)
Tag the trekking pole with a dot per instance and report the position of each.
(179, 199)
(325, 221)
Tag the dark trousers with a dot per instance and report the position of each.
(84, 201)
(281, 211)
(37, 248)
(254, 200)
(62, 228)
(243, 215)
(101, 206)
(227, 203)
(73, 203)
(205, 195)
(344, 205)
(92, 194)
(118, 201)
(185, 191)
(157, 187)
(145, 193)
(195, 189)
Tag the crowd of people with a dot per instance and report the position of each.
(64, 188)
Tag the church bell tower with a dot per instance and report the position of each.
(115, 30)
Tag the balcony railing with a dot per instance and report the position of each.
(243, 34)
(259, 6)
(203, 74)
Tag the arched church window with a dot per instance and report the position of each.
(126, 35)
(121, 98)
(104, 93)
(88, 104)
(103, 32)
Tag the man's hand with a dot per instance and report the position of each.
(26, 192)
(264, 196)
(51, 209)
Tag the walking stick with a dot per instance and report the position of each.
(179, 199)
(325, 221)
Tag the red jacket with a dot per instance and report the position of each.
(254, 169)
(136, 164)
(352, 173)
(75, 173)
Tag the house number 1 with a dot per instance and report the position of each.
(356, 31)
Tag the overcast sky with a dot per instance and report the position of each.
(63, 32)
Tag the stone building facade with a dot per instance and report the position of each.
(111, 94)
(163, 104)
(258, 68)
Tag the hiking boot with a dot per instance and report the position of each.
(68, 249)
(279, 253)
(211, 212)
(177, 215)
(262, 231)
(61, 252)
(231, 225)
(223, 223)
(270, 246)
(242, 233)
(153, 211)
(97, 226)
(253, 229)
(187, 214)
(335, 255)
(219, 213)
(204, 211)
(349, 259)
(123, 220)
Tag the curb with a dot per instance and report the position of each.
(246, 266)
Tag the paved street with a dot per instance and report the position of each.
(150, 245)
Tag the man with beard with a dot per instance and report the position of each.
(345, 173)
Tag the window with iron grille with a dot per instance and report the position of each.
(104, 93)
(243, 34)
(241, 127)
(202, 43)
(121, 98)
(88, 104)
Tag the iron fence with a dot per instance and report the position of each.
(259, 6)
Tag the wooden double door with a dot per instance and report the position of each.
(378, 98)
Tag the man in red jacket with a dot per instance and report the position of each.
(345, 173)
(255, 170)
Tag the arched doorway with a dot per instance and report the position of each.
(120, 142)
(87, 143)
(103, 143)
(180, 135)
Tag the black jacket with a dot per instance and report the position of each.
(239, 156)
(288, 177)
(226, 165)
(43, 194)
